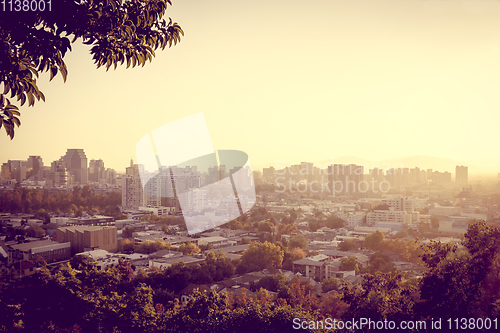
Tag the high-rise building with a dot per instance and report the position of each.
(59, 175)
(35, 166)
(461, 175)
(96, 170)
(395, 177)
(345, 178)
(17, 170)
(132, 191)
(156, 188)
(5, 172)
(441, 177)
(76, 163)
(269, 174)
(109, 177)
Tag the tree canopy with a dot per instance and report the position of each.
(260, 256)
(32, 42)
(457, 281)
(374, 240)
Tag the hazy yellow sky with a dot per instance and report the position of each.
(291, 80)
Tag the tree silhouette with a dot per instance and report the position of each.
(32, 42)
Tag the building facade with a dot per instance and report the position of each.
(344, 179)
(49, 250)
(461, 175)
(76, 163)
(85, 238)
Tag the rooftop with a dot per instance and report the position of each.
(28, 246)
(82, 228)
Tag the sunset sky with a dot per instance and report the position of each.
(291, 80)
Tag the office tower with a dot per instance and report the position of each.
(17, 170)
(461, 175)
(76, 163)
(395, 177)
(96, 170)
(5, 172)
(406, 176)
(35, 165)
(268, 174)
(132, 192)
(423, 177)
(110, 176)
(58, 174)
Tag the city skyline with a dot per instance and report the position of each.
(283, 165)
(94, 165)
(278, 91)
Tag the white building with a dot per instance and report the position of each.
(454, 224)
(60, 221)
(352, 219)
(445, 210)
(197, 199)
(406, 204)
(399, 203)
(388, 216)
(159, 211)
(216, 241)
(132, 191)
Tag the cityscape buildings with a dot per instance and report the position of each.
(70, 170)
(86, 238)
(76, 164)
(461, 175)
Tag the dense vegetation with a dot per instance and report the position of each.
(76, 297)
(77, 201)
(36, 41)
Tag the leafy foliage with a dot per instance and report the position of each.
(260, 256)
(330, 284)
(77, 297)
(334, 222)
(290, 256)
(349, 264)
(42, 202)
(379, 263)
(35, 231)
(380, 296)
(271, 283)
(148, 247)
(374, 240)
(32, 42)
(348, 245)
(463, 282)
(189, 248)
(298, 241)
